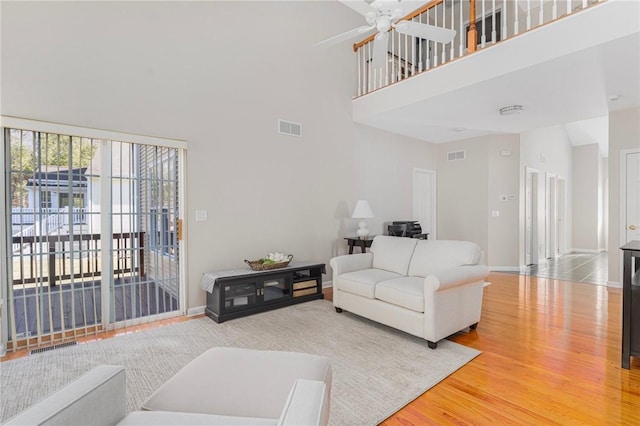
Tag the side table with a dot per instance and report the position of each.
(362, 243)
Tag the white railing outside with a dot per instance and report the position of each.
(496, 20)
(26, 215)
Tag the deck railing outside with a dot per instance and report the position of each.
(52, 259)
(495, 21)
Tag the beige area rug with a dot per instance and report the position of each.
(377, 370)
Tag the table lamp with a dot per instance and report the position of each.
(362, 211)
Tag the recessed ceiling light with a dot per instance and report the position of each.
(613, 98)
(511, 110)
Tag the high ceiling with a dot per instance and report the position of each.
(573, 85)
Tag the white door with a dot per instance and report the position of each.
(424, 200)
(632, 195)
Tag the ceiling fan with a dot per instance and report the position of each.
(383, 18)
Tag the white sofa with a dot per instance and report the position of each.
(223, 386)
(428, 288)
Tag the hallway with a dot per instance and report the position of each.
(590, 268)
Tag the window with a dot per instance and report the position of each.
(45, 199)
(78, 200)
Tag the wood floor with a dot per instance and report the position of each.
(550, 355)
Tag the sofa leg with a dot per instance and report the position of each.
(473, 326)
(338, 310)
(432, 345)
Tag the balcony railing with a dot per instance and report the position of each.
(494, 21)
(53, 259)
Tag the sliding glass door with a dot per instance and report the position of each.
(92, 235)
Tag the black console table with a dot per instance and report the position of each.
(240, 292)
(630, 303)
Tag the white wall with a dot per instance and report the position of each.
(470, 189)
(624, 133)
(586, 200)
(218, 75)
(547, 150)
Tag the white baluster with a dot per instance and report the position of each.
(453, 20)
(370, 67)
(444, 25)
(484, 30)
(462, 36)
(435, 45)
(554, 10)
(413, 55)
(406, 56)
(493, 24)
(568, 7)
(516, 28)
(386, 64)
(504, 21)
(428, 49)
(420, 57)
(528, 14)
(359, 75)
(541, 17)
(393, 56)
(584, 3)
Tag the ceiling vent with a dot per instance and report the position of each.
(289, 128)
(455, 155)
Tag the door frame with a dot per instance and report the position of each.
(623, 194)
(532, 242)
(103, 135)
(433, 201)
(551, 215)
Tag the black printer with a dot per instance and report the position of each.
(413, 229)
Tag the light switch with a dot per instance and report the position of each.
(201, 215)
(495, 213)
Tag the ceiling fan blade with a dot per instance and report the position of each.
(429, 32)
(380, 49)
(346, 35)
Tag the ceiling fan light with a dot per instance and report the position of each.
(511, 110)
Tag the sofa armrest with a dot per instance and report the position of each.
(307, 404)
(97, 397)
(453, 277)
(350, 263)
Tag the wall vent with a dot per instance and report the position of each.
(289, 128)
(455, 155)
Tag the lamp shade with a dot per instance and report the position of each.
(362, 210)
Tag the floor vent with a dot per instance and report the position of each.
(50, 348)
(455, 155)
(289, 128)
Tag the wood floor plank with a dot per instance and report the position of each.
(551, 353)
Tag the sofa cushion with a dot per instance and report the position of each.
(363, 283)
(166, 418)
(392, 253)
(431, 256)
(238, 382)
(407, 292)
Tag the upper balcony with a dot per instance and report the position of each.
(562, 59)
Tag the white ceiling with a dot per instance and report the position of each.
(570, 88)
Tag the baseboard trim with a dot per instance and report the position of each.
(327, 284)
(587, 251)
(198, 310)
(614, 284)
(504, 268)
